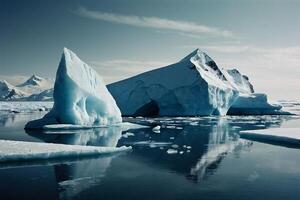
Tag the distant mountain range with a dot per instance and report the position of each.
(34, 89)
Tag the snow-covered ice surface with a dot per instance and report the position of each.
(283, 135)
(80, 97)
(11, 151)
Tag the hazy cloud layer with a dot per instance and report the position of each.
(153, 22)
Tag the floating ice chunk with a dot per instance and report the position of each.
(156, 129)
(255, 104)
(124, 126)
(80, 97)
(172, 151)
(175, 146)
(127, 134)
(285, 135)
(23, 151)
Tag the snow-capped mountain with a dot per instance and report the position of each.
(10, 92)
(35, 86)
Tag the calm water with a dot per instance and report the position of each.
(211, 162)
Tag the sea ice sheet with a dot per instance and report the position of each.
(23, 151)
(286, 135)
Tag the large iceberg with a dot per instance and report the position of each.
(193, 86)
(80, 97)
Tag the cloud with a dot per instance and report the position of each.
(153, 22)
(117, 69)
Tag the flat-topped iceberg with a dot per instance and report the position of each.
(80, 97)
(254, 104)
(193, 86)
(248, 102)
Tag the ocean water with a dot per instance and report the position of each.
(191, 158)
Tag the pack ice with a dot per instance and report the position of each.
(80, 97)
(193, 86)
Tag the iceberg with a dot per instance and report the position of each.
(281, 135)
(255, 104)
(193, 86)
(80, 97)
(15, 151)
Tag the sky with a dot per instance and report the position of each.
(121, 38)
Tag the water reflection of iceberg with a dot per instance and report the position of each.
(74, 178)
(108, 136)
(220, 144)
(210, 141)
(80, 176)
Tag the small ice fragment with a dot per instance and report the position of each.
(175, 146)
(188, 151)
(188, 147)
(172, 138)
(171, 127)
(127, 134)
(156, 129)
(181, 152)
(172, 151)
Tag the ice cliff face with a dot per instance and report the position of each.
(80, 96)
(193, 86)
